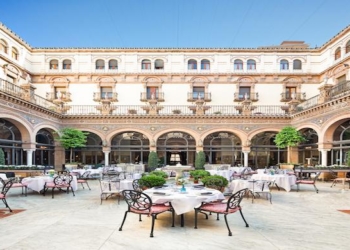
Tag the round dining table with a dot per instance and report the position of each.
(36, 183)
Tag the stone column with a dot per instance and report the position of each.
(29, 156)
(246, 154)
(324, 156)
(106, 153)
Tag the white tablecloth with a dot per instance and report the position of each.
(82, 171)
(284, 181)
(37, 183)
(184, 202)
(239, 184)
(225, 173)
(3, 176)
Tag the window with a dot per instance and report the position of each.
(238, 64)
(113, 64)
(3, 46)
(198, 93)
(67, 64)
(192, 64)
(284, 65)
(347, 47)
(337, 54)
(244, 93)
(205, 64)
(10, 79)
(297, 64)
(291, 92)
(100, 64)
(251, 64)
(15, 53)
(341, 79)
(152, 93)
(159, 64)
(146, 64)
(106, 92)
(54, 64)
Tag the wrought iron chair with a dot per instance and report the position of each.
(262, 187)
(141, 204)
(84, 179)
(16, 185)
(109, 188)
(309, 182)
(337, 179)
(4, 191)
(60, 182)
(232, 206)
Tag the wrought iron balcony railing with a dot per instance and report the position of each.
(238, 97)
(287, 96)
(65, 97)
(193, 96)
(110, 96)
(145, 97)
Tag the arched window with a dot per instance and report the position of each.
(100, 64)
(284, 65)
(238, 64)
(251, 64)
(67, 64)
(15, 53)
(205, 64)
(297, 64)
(3, 46)
(113, 64)
(54, 64)
(146, 64)
(159, 64)
(347, 47)
(192, 64)
(337, 54)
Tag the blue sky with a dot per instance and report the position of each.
(174, 23)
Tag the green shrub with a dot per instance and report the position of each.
(151, 180)
(215, 180)
(159, 173)
(152, 160)
(200, 160)
(199, 173)
(2, 157)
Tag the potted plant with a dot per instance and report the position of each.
(216, 182)
(151, 180)
(199, 174)
(152, 160)
(200, 160)
(176, 111)
(288, 137)
(71, 138)
(160, 173)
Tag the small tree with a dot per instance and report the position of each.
(200, 160)
(72, 138)
(2, 157)
(288, 137)
(152, 160)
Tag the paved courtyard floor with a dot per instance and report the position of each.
(294, 220)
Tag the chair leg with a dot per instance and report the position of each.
(5, 202)
(206, 215)
(173, 217)
(71, 188)
(277, 187)
(82, 185)
(152, 227)
(315, 188)
(121, 226)
(140, 217)
(228, 228)
(52, 192)
(246, 224)
(297, 187)
(88, 185)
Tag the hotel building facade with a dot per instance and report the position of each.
(228, 102)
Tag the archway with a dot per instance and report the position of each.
(308, 150)
(45, 148)
(223, 148)
(11, 143)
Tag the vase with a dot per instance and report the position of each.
(183, 189)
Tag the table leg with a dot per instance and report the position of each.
(182, 220)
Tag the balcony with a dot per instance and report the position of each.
(145, 97)
(194, 96)
(65, 97)
(239, 97)
(110, 96)
(287, 96)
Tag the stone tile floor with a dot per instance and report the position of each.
(294, 220)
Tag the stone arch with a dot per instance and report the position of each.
(113, 133)
(187, 131)
(246, 79)
(329, 127)
(59, 80)
(23, 126)
(242, 136)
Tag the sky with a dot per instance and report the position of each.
(173, 23)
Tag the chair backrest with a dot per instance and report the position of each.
(316, 176)
(63, 179)
(85, 174)
(2, 182)
(136, 185)
(333, 173)
(235, 199)
(6, 187)
(137, 200)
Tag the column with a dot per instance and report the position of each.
(106, 157)
(324, 156)
(245, 153)
(29, 156)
